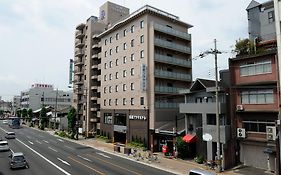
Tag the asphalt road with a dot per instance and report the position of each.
(50, 155)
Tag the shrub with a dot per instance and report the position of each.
(199, 159)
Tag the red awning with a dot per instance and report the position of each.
(189, 138)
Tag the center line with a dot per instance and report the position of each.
(30, 142)
(52, 149)
(84, 158)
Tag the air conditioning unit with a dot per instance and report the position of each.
(241, 133)
(239, 108)
(271, 133)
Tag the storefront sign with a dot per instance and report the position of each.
(137, 117)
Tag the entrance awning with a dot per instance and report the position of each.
(189, 138)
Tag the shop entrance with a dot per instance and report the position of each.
(119, 137)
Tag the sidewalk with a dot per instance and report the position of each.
(176, 166)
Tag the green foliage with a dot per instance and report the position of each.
(30, 114)
(18, 112)
(1, 112)
(247, 47)
(43, 116)
(104, 138)
(71, 117)
(182, 147)
(24, 113)
(199, 159)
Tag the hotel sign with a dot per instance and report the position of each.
(137, 117)
(143, 77)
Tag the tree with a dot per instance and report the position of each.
(247, 47)
(1, 112)
(30, 115)
(182, 148)
(18, 112)
(43, 116)
(24, 113)
(71, 117)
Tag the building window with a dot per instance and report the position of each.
(104, 102)
(109, 102)
(117, 49)
(124, 32)
(125, 46)
(142, 53)
(132, 29)
(105, 78)
(211, 119)
(132, 101)
(264, 96)
(132, 42)
(132, 86)
(105, 66)
(132, 57)
(124, 60)
(105, 42)
(104, 90)
(142, 101)
(271, 17)
(116, 88)
(116, 75)
(257, 125)
(110, 89)
(141, 24)
(110, 39)
(124, 101)
(124, 73)
(117, 36)
(107, 118)
(110, 76)
(110, 64)
(116, 101)
(256, 68)
(132, 71)
(124, 87)
(105, 53)
(110, 52)
(141, 39)
(116, 62)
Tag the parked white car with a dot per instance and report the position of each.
(10, 135)
(4, 146)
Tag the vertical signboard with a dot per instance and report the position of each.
(70, 70)
(143, 77)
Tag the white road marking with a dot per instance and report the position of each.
(101, 154)
(45, 141)
(30, 142)
(28, 137)
(84, 158)
(11, 150)
(62, 170)
(69, 147)
(52, 149)
(63, 161)
(38, 141)
(60, 140)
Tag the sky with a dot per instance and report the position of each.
(37, 36)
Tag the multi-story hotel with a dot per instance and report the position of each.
(131, 68)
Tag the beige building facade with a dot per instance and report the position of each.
(133, 69)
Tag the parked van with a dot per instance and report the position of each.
(200, 172)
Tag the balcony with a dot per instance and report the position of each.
(80, 82)
(79, 72)
(166, 89)
(94, 77)
(79, 44)
(94, 98)
(94, 108)
(80, 112)
(202, 107)
(96, 66)
(96, 56)
(78, 63)
(96, 46)
(212, 130)
(172, 75)
(172, 32)
(172, 60)
(79, 34)
(79, 53)
(80, 26)
(172, 46)
(166, 105)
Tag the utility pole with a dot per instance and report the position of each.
(215, 52)
(87, 117)
(56, 107)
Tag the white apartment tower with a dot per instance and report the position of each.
(133, 66)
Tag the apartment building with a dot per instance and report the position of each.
(45, 95)
(139, 63)
(261, 21)
(16, 103)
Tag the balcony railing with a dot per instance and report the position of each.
(172, 46)
(172, 75)
(79, 34)
(80, 26)
(166, 105)
(166, 89)
(96, 55)
(172, 31)
(79, 52)
(79, 44)
(78, 62)
(172, 60)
